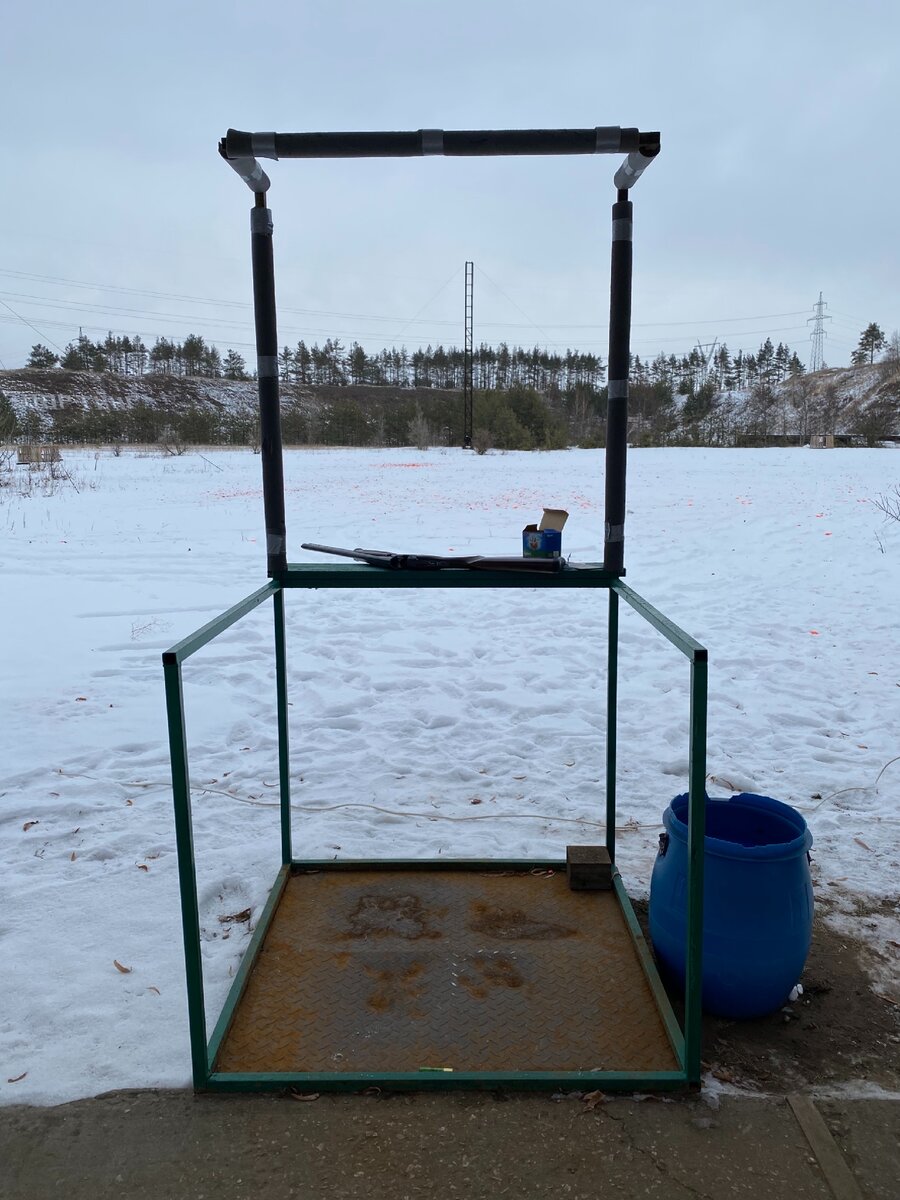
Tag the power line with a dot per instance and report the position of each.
(114, 287)
(25, 321)
(426, 304)
(378, 317)
(516, 306)
(856, 322)
(368, 335)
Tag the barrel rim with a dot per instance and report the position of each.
(724, 849)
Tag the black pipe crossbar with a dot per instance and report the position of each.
(605, 139)
(241, 151)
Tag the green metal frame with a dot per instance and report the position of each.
(204, 1049)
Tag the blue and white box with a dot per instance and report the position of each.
(544, 540)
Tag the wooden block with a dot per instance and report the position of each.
(588, 868)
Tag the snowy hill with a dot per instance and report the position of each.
(854, 404)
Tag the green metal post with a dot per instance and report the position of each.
(284, 752)
(187, 875)
(693, 999)
(612, 687)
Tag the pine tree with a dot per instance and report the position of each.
(79, 355)
(795, 367)
(722, 362)
(234, 366)
(765, 362)
(211, 363)
(111, 354)
(303, 361)
(286, 364)
(871, 340)
(41, 356)
(71, 359)
(333, 353)
(357, 363)
(192, 353)
(9, 422)
(162, 357)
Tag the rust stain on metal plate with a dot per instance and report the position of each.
(389, 970)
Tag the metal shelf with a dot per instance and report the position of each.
(360, 575)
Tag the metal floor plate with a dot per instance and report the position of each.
(398, 970)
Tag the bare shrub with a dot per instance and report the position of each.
(170, 443)
(889, 504)
(481, 441)
(420, 431)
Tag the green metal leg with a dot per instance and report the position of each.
(202, 1057)
(612, 687)
(693, 999)
(284, 753)
(187, 875)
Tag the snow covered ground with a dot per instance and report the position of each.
(439, 723)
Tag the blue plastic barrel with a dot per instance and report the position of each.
(758, 902)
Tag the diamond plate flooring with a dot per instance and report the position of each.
(479, 971)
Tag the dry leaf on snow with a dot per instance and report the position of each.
(29, 825)
(17, 1078)
(119, 967)
(243, 915)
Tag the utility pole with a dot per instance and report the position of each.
(818, 335)
(706, 353)
(468, 346)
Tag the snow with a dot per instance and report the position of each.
(436, 723)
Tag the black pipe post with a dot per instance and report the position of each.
(617, 383)
(267, 380)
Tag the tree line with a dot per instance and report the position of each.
(500, 367)
(129, 356)
(523, 399)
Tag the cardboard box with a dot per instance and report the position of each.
(545, 539)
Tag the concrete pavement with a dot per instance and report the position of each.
(172, 1144)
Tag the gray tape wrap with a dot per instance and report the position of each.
(432, 141)
(631, 170)
(622, 229)
(263, 145)
(267, 366)
(609, 139)
(251, 173)
(274, 543)
(261, 220)
(615, 533)
(617, 389)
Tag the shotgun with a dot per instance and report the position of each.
(435, 562)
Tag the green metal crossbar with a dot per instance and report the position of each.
(204, 1050)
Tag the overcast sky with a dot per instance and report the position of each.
(778, 176)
